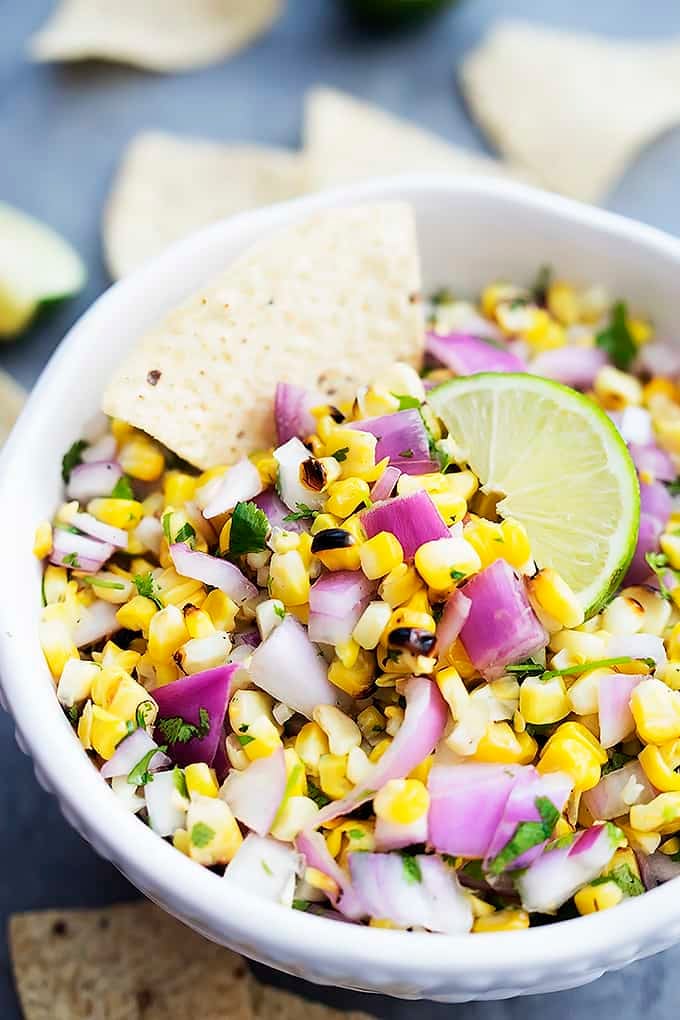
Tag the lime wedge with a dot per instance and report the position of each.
(36, 265)
(558, 465)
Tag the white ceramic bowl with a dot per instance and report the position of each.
(470, 232)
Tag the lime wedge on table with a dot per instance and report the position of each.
(36, 265)
(559, 466)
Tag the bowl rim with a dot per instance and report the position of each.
(167, 876)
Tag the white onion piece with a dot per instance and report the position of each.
(88, 481)
(637, 646)
(89, 525)
(294, 494)
(78, 551)
(213, 571)
(104, 449)
(130, 752)
(313, 847)
(96, 622)
(636, 426)
(607, 800)
(266, 868)
(561, 871)
(255, 794)
(166, 807)
(149, 531)
(237, 485)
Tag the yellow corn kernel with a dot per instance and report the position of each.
(442, 564)
(379, 750)
(669, 673)
(322, 522)
(656, 710)
(182, 841)
(167, 633)
(350, 835)
(128, 697)
(333, 776)
(673, 642)
(178, 488)
(221, 609)
(198, 622)
(238, 759)
(658, 386)
(502, 920)
(319, 880)
(119, 513)
(225, 537)
(501, 744)
(671, 846)
(660, 763)
(106, 683)
(345, 496)
(354, 680)
(542, 333)
(453, 690)
(451, 507)
(55, 584)
(141, 458)
(402, 801)
(592, 898)
(400, 585)
(670, 545)
(295, 814)
(616, 390)
(487, 539)
(584, 693)
(640, 330)
(42, 543)
(57, 645)
(371, 722)
(563, 303)
(347, 652)
(201, 780)
(289, 579)
(345, 557)
(479, 907)
(265, 462)
(516, 547)
(106, 731)
(543, 701)
(556, 598)
(213, 831)
(457, 657)
(310, 744)
(661, 814)
(296, 783)
(623, 615)
(371, 624)
(380, 554)
(137, 614)
(121, 431)
(422, 771)
(580, 646)
(342, 732)
(246, 706)
(261, 739)
(357, 450)
(644, 842)
(573, 749)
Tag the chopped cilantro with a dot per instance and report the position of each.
(146, 586)
(265, 867)
(143, 710)
(412, 872)
(280, 612)
(443, 296)
(70, 560)
(140, 774)
(165, 521)
(187, 533)
(72, 458)
(249, 527)
(441, 455)
(674, 487)
(437, 611)
(658, 562)
(457, 575)
(341, 454)
(524, 669)
(541, 285)
(74, 714)
(616, 339)
(626, 879)
(300, 904)
(584, 667)
(406, 454)
(202, 834)
(98, 582)
(393, 655)
(617, 759)
(406, 401)
(527, 835)
(302, 513)
(122, 489)
(317, 795)
(451, 861)
(180, 782)
(244, 739)
(178, 731)
(356, 833)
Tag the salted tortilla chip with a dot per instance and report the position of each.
(168, 186)
(161, 35)
(123, 962)
(572, 109)
(273, 1004)
(328, 303)
(12, 399)
(349, 140)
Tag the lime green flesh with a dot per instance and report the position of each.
(559, 465)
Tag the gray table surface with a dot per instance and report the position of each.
(61, 132)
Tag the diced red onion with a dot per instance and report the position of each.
(433, 900)
(79, 552)
(88, 481)
(130, 752)
(468, 355)
(213, 571)
(336, 601)
(422, 729)
(184, 698)
(572, 366)
(649, 533)
(291, 669)
(413, 519)
(292, 411)
(96, 622)
(384, 487)
(149, 531)
(456, 612)
(561, 871)
(103, 449)
(614, 714)
(250, 637)
(521, 807)
(266, 868)
(403, 438)
(90, 526)
(166, 813)
(660, 357)
(238, 484)
(255, 794)
(657, 868)
(466, 806)
(651, 459)
(656, 501)
(605, 801)
(501, 626)
(638, 646)
(276, 512)
(313, 847)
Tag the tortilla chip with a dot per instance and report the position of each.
(572, 109)
(161, 35)
(270, 1003)
(12, 399)
(130, 962)
(328, 303)
(168, 186)
(349, 140)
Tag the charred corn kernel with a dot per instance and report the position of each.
(42, 542)
(671, 846)
(563, 302)
(502, 920)
(75, 682)
(658, 386)
(355, 454)
(573, 749)
(337, 549)
(310, 744)
(201, 780)
(119, 513)
(55, 584)
(137, 614)
(592, 898)
(445, 562)
(669, 673)
(660, 763)
(661, 814)
(616, 390)
(221, 609)
(380, 554)
(371, 625)
(294, 815)
(167, 633)
(106, 731)
(322, 522)
(451, 507)
(371, 722)
(402, 801)
(555, 597)
(516, 548)
(406, 616)
(319, 880)
(198, 622)
(289, 579)
(178, 488)
(656, 711)
(260, 739)
(543, 701)
(453, 690)
(640, 330)
(238, 759)
(213, 831)
(141, 458)
(265, 462)
(346, 495)
(379, 750)
(333, 776)
(670, 545)
(354, 680)
(400, 585)
(342, 732)
(128, 697)
(500, 743)
(623, 615)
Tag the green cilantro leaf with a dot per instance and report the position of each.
(180, 782)
(617, 759)
(658, 562)
(249, 528)
(265, 867)
(72, 458)
(187, 533)
(584, 667)
(70, 560)
(616, 339)
(412, 872)
(317, 795)
(146, 586)
(443, 296)
(201, 834)
(140, 774)
(244, 739)
(143, 710)
(406, 454)
(524, 669)
(341, 454)
(74, 714)
(300, 904)
(280, 612)
(122, 489)
(356, 833)
(406, 401)
(457, 575)
(527, 835)
(100, 582)
(674, 487)
(541, 285)
(165, 521)
(626, 879)
(303, 513)
(176, 730)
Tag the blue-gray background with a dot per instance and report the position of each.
(62, 130)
